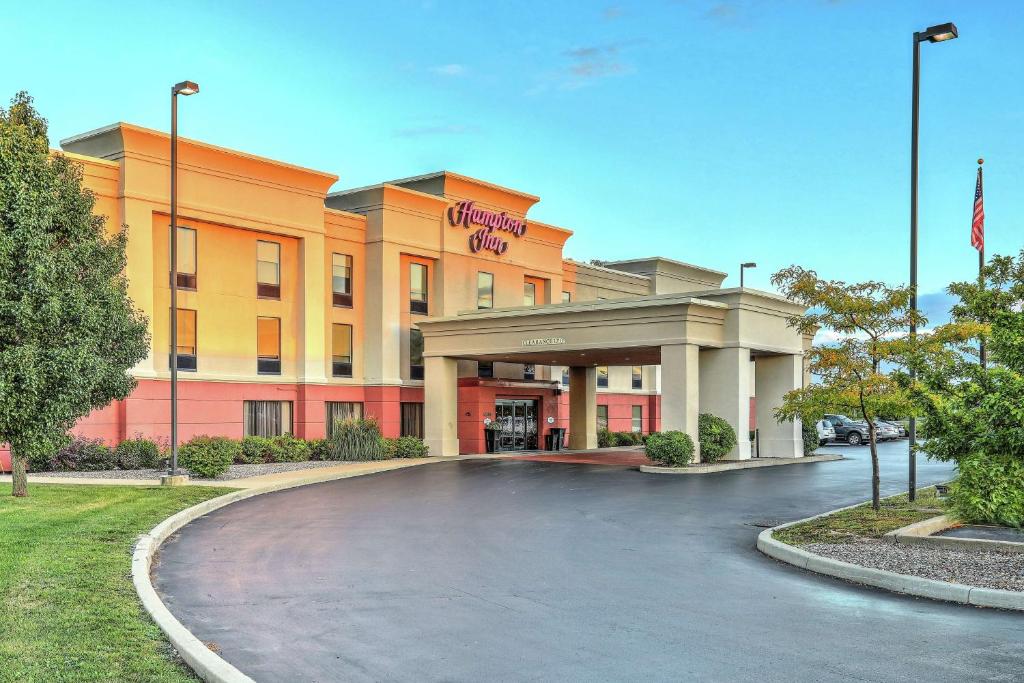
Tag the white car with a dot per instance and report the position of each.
(826, 432)
(885, 431)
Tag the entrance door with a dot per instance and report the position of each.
(518, 420)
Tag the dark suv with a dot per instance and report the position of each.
(853, 433)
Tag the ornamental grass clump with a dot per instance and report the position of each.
(717, 437)
(671, 449)
(357, 438)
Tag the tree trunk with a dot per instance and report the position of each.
(19, 478)
(875, 479)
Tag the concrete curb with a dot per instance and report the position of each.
(204, 662)
(880, 578)
(729, 465)
(921, 532)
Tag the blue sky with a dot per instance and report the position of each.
(710, 132)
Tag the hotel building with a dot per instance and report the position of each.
(433, 303)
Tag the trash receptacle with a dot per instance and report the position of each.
(557, 438)
(549, 442)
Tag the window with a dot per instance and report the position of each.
(338, 411)
(186, 339)
(415, 354)
(638, 377)
(529, 371)
(341, 280)
(268, 270)
(267, 418)
(186, 258)
(485, 369)
(565, 377)
(268, 346)
(566, 297)
(418, 288)
(341, 350)
(529, 293)
(484, 290)
(602, 376)
(412, 419)
(602, 417)
(638, 419)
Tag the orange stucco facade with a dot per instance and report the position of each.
(234, 200)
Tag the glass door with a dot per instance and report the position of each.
(518, 420)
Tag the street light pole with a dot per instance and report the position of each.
(933, 34)
(744, 266)
(183, 88)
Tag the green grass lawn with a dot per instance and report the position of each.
(68, 609)
(863, 522)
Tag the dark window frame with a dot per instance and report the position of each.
(343, 299)
(268, 290)
(637, 378)
(490, 290)
(417, 305)
(415, 369)
(342, 368)
(268, 365)
(187, 281)
(602, 380)
(187, 362)
(251, 418)
(485, 369)
(411, 419)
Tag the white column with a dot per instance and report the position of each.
(725, 392)
(440, 409)
(680, 390)
(773, 377)
(582, 408)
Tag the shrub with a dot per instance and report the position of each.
(86, 455)
(627, 438)
(255, 450)
(672, 449)
(357, 439)
(989, 490)
(319, 449)
(410, 447)
(716, 436)
(137, 454)
(390, 447)
(209, 456)
(811, 440)
(289, 449)
(605, 439)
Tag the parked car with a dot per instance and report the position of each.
(885, 431)
(850, 431)
(826, 432)
(900, 429)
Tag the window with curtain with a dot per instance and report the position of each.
(638, 377)
(339, 411)
(341, 280)
(412, 419)
(267, 418)
(484, 290)
(602, 376)
(638, 419)
(187, 259)
(268, 270)
(602, 417)
(186, 319)
(529, 293)
(415, 354)
(341, 350)
(268, 346)
(418, 291)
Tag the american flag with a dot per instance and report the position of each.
(978, 223)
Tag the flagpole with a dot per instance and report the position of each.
(982, 355)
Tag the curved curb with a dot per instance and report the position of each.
(209, 666)
(881, 578)
(732, 465)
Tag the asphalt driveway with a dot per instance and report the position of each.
(514, 570)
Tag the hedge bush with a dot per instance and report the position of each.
(811, 440)
(357, 439)
(287, 448)
(989, 490)
(671, 449)
(255, 450)
(319, 449)
(137, 454)
(605, 439)
(85, 455)
(410, 447)
(716, 436)
(209, 456)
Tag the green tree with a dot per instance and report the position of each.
(867, 320)
(68, 331)
(974, 414)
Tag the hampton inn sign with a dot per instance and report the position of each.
(467, 215)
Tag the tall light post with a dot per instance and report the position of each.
(744, 266)
(932, 34)
(184, 88)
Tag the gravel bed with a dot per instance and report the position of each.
(234, 472)
(986, 569)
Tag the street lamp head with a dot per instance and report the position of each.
(185, 88)
(748, 265)
(939, 33)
